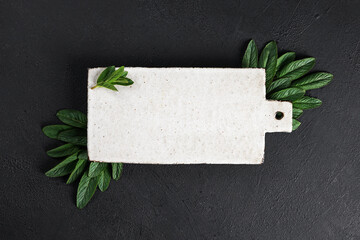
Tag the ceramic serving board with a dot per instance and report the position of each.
(183, 116)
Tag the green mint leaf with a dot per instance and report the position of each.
(63, 168)
(72, 117)
(277, 85)
(297, 69)
(116, 170)
(295, 124)
(52, 131)
(124, 74)
(63, 150)
(83, 155)
(297, 113)
(106, 74)
(109, 77)
(107, 85)
(123, 82)
(307, 103)
(96, 168)
(78, 170)
(289, 94)
(250, 59)
(86, 189)
(104, 179)
(75, 136)
(284, 60)
(313, 81)
(120, 73)
(117, 74)
(267, 60)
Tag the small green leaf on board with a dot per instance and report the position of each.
(105, 74)
(108, 86)
(123, 82)
(111, 77)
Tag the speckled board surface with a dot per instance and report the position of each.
(183, 116)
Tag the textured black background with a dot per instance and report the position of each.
(309, 185)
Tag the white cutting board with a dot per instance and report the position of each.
(183, 116)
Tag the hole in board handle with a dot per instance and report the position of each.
(279, 115)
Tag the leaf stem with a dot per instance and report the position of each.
(94, 87)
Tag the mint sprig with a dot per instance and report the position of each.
(73, 132)
(76, 163)
(288, 80)
(111, 77)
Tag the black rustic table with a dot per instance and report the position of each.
(309, 185)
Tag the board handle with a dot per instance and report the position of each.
(279, 116)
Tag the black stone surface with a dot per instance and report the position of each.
(309, 185)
